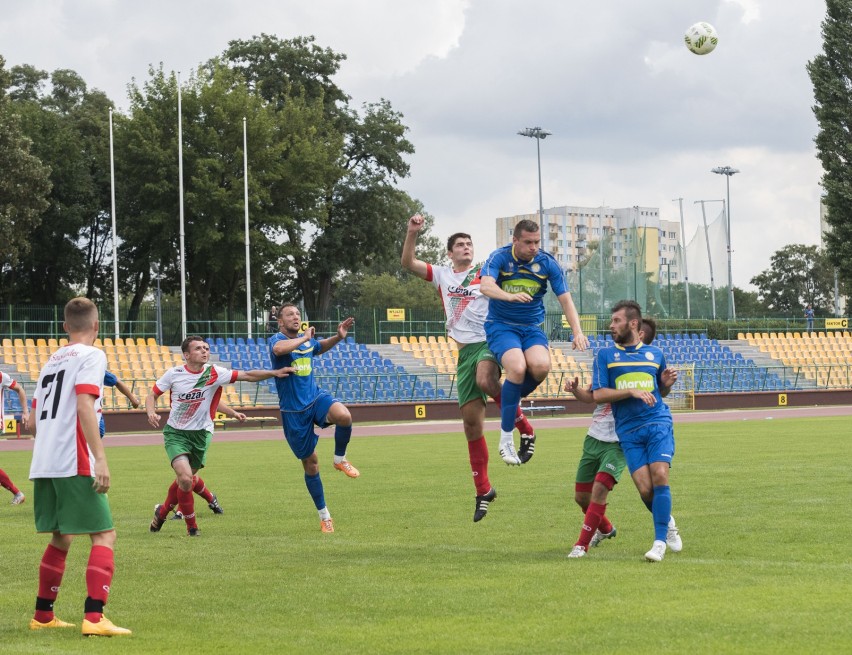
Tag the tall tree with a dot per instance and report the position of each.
(798, 275)
(831, 74)
(362, 211)
(24, 185)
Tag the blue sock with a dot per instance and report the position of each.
(341, 439)
(661, 509)
(509, 401)
(314, 485)
(529, 385)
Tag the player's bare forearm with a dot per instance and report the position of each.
(573, 318)
(151, 409)
(607, 395)
(285, 347)
(409, 259)
(583, 394)
(125, 391)
(258, 375)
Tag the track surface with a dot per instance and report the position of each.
(427, 427)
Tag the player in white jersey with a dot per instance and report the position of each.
(8, 382)
(478, 371)
(601, 466)
(195, 390)
(70, 473)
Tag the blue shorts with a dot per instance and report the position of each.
(645, 445)
(299, 426)
(502, 337)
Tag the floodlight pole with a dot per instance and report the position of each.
(683, 256)
(709, 256)
(538, 134)
(727, 171)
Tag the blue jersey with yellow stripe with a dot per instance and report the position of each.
(632, 367)
(514, 275)
(299, 390)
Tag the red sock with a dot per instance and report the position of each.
(199, 488)
(6, 482)
(171, 500)
(478, 452)
(605, 525)
(99, 574)
(522, 423)
(590, 524)
(186, 505)
(50, 573)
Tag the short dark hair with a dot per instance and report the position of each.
(285, 306)
(184, 347)
(631, 309)
(649, 330)
(454, 237)
(525, 225)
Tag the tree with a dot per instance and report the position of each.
(831, 75)
(68, 128)
(24, 186)
(362, 213)
(798, 275)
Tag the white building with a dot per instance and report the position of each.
(570, 231)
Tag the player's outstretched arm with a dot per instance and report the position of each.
(409, 259)
(607, 395)
(230, 412)
(286, 346)
(580, 341)
(127, 392)
(259, 375)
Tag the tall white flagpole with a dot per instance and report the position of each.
(114, 235)
(182, 235)
(246, 205)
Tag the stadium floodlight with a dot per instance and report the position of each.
(538, 134)
(727, 171)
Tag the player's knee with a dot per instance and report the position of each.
(605, 479)
(539, 370)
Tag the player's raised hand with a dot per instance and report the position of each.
(310, 332)
(572, 385)
(345, 326)
(415, 223)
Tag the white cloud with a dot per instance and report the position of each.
(636, 118)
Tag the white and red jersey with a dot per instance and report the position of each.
(6, 382)
(464, 304)
(60, 449)
(603, 424)
(194, 395)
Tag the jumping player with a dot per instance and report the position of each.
(478, 370)
(303, 404)
(515, 278)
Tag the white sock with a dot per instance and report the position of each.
(339, 458)
(507, 437)
(672, 523)
(324, 514)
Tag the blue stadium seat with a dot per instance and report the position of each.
(220, 341)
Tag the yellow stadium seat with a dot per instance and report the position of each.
(432, 339)
(63, 342)
(442, 339)
(422, 340)
(151, 342)
(394, 340)
(740, 336)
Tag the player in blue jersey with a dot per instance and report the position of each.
(303, 404)
(515, 278)
(111, 380)
(634, 379)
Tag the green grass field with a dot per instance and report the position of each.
(763, 507)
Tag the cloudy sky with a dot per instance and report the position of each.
(636, 118)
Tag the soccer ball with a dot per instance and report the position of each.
(701, 38)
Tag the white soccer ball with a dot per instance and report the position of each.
(701, 38)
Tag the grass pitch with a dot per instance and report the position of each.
(762, 506)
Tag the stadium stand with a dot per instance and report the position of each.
(822, 357)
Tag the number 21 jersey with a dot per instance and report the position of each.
(60, 449)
